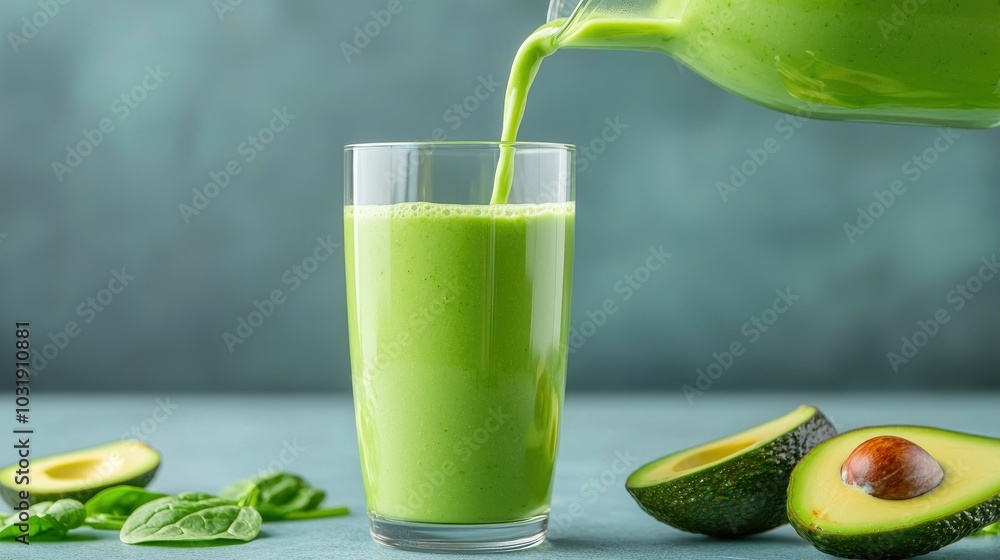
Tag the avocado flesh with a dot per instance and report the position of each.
(733, 486)
(845, 521)
(79, 475)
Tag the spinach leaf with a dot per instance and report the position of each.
(51, 519)
(990, 531)
(191, 516)
(314, 514)
(111, 507)
(278, 496)
(105, 522)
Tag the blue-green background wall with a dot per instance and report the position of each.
(655, 185)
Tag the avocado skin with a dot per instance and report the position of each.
(10, 495)
(911, 541)
(742, 496)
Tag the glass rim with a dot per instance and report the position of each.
(461, 144)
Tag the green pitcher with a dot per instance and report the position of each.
(900, 61)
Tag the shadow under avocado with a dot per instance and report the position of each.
(967, 549)
(687, 543)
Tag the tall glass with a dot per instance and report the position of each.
(459, 319)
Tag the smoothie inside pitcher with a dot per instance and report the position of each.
(918, 62)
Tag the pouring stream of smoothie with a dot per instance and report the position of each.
(605, 33)
(537, 46)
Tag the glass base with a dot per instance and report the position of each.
(434, 537)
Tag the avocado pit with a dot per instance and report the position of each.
(892, 468)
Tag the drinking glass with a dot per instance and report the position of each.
(459, 320)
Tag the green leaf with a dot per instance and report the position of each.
(52, 519)
(191, 516)
(244, 492)
(105, 522)
(314, 514)
(989, 531)
(111, 507)
(276, 495)
(120, 500)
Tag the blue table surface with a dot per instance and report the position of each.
(208, 441)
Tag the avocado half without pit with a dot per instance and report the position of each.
(734, 486)
(895, 492)
(80, 474)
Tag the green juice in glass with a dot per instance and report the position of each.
(458, 346)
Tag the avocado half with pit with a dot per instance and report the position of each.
(733, 486)
(937, 506)
(80, 475)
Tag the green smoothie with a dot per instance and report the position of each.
(919, 62)
(458, 320)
